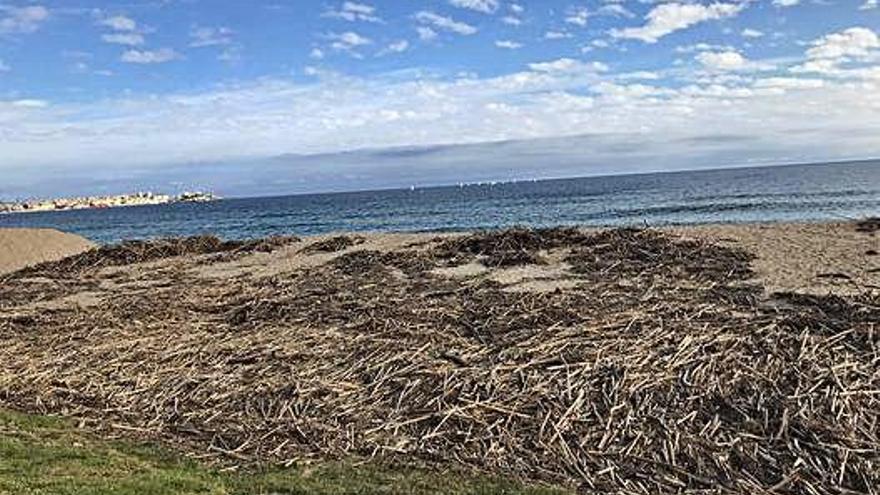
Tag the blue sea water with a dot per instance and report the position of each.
(770, 194)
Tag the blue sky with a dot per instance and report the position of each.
(271, 96)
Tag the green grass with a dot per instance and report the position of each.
(47, 456)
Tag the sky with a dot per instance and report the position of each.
(270, 97)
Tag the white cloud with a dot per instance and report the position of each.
(210, 36)
(722, 61)
(730, 60)
(852, 42)
(559, 65)
(30, 103)
(702, 47)
(597, 67)
(426, 33)
(159, 56)
(359, 8)
(725, 95)
(826, 54)
(517, 8)
(789, 83)
(771, 118)
(786, 3)
(348, 41)
(670, 17)
(316, 54)
(579, 16)
(230, 55)
(556, 35)
(751, 33)
(639, 75)
(128, 39)
(615, 9)
(354, 11)
(820, 66)
(119, 23)
(567, 65)
(869, 5)
(125, 31)
(485, 6)
(508, 44)
(511, 20)
(399, 46)
(444, 23)
(22, 19)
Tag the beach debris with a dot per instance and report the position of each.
(265, 245)
(661, 371)
(333, 244)
(868, 225)
(511, 247)
(627, 252)
(132, 252)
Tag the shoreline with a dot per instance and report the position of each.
(671, 226)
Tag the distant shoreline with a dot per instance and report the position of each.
(104, 202)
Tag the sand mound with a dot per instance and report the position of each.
(20, 248)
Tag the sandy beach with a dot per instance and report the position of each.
(673, 359)
(811, 257)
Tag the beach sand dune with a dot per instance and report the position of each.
(20, 248)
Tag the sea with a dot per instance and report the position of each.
(803, 193)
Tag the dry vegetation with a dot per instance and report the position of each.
(664, 370)
(868, 225)
(333, 244)
(131, 252)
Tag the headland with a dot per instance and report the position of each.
(114, 201)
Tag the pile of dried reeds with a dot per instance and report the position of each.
(868, 225)
(664, 371)
(628, 252)
(333, 244)
(131, 252)
(517, 246)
